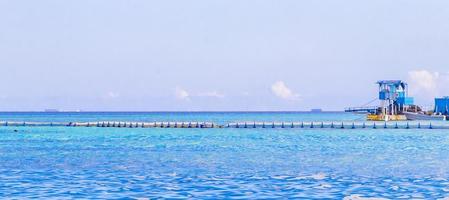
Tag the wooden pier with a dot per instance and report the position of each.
(246, 125)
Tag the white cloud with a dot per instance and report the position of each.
(282, 91)
(427, 84)
(181, 94)
(245, 93)
(423, 79)
(185, 95)
(112, 95)
(211, 94)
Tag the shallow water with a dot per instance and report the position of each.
(76, 162)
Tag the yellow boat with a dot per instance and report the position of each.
(382, 117)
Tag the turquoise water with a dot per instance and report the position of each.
(114, 163)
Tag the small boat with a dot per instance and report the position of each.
(382, 117)
(422, 116)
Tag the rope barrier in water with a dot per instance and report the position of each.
(246, 125)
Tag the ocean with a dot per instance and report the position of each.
(227, 163)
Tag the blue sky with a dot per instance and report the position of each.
(218, 55)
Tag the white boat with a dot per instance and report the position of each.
(420, 116)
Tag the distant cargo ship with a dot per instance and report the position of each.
(51, 110)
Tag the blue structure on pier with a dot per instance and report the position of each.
(393, 102)
(442, 105)
(393, 96)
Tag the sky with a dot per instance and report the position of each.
(220, 55)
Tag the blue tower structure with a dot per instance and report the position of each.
(393, 95)
(442, 105)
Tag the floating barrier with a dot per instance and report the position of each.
(245, 125)
(341, 125)
(115, 124)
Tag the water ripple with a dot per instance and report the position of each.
(67, 163)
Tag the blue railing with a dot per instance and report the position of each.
(370, 109)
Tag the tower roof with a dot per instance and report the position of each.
(391, 82)
(396, 83)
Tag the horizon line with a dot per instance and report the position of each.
(180, 111)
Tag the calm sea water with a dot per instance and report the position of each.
(115, 163)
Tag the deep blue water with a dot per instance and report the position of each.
(111, 163)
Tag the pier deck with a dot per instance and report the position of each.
(370, 109)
